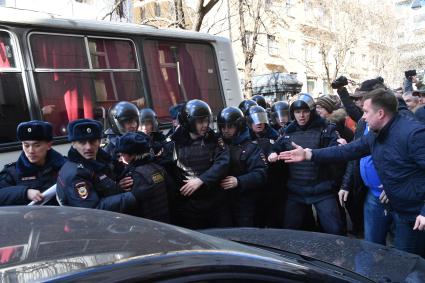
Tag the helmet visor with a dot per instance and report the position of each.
(281, 114)
(259, 118)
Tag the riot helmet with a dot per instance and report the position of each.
(257, 115)
(121, 113)
(193, 110)
(279, 112)
(304, 101)
(231, 116)
(245, 105)
(147, 115)
(261, 101)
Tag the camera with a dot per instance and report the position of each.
(410, 73)
(339, 82)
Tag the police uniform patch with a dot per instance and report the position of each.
(157, 178)
(81, 189)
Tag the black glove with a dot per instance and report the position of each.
(339, 82)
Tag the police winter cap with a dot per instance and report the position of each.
(84, 129)
(35, 131)
(133, 143)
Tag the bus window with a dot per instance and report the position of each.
(75, 85)
(178, 72)
(13, 103)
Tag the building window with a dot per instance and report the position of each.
(309, 53)
(310, 86)
(351, 59)
(289, 10)
(268, 4)
(291, 48)
(272, 45)
(157, 10)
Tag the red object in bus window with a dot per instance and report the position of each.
(198, 76)
(112, 54)
(4, 61)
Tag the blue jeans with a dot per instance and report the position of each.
(376, 223)
(407, 239)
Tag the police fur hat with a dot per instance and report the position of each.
(326, 102)
(133, 143)
(34, 130)
(84, 129)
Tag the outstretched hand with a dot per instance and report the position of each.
(296, 155)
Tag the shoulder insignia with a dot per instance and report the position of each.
(271, 141)
(255, 142)
(220, 142)
(80, 165)
(157, 178)
(28, 178)
(263, 157)
(81, 189)
(10, 164)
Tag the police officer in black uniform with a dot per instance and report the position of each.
(149, 178)
(36, 169)
(245, 105)
(87, 178)
(264, 135)
(201, 161)
(149, 125)
(174, 112)
(261, 101)
(248, 167)
(279, 115)
(123, 118)
(309, 184)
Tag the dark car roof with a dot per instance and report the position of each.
(44, 243)
(377, 262)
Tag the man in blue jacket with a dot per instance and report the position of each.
(87, 179)
(35, 170)
(396, 144)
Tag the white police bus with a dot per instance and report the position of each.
(59, 70)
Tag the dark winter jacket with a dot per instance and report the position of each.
(206, 158)
(265, 139)
(399, 157)
(91, 184)
(16, 178)
(309, 183)
(150, 185)
(248, 164)
(353, 111)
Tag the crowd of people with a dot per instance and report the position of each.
(318, 165)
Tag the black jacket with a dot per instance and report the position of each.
(307, 182)
(206, 158)
(91, 184)
(16, 178)
(150, 185)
